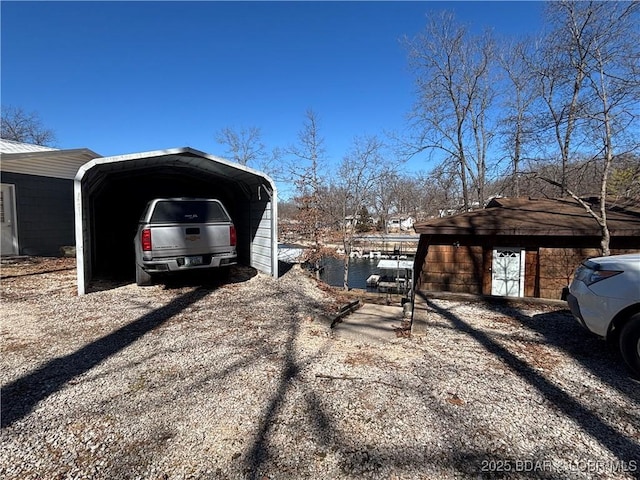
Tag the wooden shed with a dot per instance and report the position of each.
(519, 247)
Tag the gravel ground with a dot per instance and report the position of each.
(245, 380)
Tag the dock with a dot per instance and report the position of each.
(385, 246)
(396, 276)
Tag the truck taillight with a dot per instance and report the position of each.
(232, 236)
(146, 240)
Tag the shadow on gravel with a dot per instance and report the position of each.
(41, 272)
(355, 458)
(259, 453)
(195, 278)
(207, 278)
(623, 448)
(562, 331)
(21, 396)
(284, 267)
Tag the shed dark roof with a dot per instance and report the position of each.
(536, 217)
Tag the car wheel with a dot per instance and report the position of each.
(143, 279)
(630, 343)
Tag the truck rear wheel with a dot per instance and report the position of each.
(143, 279)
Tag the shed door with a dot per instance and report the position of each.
(507, 273)
(8, 232)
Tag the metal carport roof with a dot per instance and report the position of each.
(142, 176)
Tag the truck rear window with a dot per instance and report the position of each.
(188, 212)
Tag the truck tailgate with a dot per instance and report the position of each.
(190, 239)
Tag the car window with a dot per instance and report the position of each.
(188, 212)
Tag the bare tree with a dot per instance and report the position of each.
(519, 98)
(422, 195)
(443, 191)
(244, 146)
(26, 127)
(306, 169)
(624, 181)
(383, 196)
(560, 65)
(358, 176)
(454, 97)
(615, 91)
(595, 49)
(407, 196)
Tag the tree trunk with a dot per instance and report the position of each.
(347, 243)
(346, 273)
(604, 242)
(516, 164)
(465, 187)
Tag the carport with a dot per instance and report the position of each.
(111, 192)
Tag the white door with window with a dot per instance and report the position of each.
(8, 230)
(507, 272)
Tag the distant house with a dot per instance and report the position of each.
(359, 222)
(400, 223)
(36, 200)
(350, 221)
(518, 247)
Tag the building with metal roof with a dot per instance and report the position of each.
(54, 198)
(11, 146)
(111, 193)
(36, 197)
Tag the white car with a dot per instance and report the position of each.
(604, 297)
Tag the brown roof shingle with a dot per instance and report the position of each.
(539, 217)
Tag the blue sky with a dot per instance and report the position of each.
(124, 77)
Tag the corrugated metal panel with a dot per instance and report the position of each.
(259, 191)
(10, 146)
(54, 164)
(183, 156)
(262, 244)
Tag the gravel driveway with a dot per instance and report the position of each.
(245, 380)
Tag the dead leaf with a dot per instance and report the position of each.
(455, 400)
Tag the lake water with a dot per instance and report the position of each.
(333, 268)
(359, 271)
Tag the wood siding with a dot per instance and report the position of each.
(531, 273)
(453, 269)
(467, 269)
(556, 267)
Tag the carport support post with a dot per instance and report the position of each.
(273, 198)
(79, 231)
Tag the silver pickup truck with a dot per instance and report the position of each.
(178, 234)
